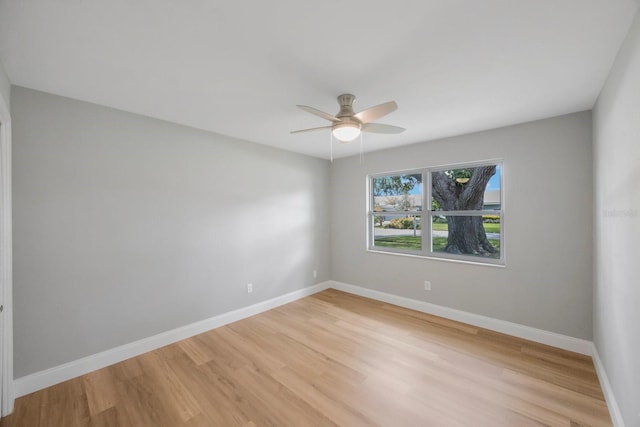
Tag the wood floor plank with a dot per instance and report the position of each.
(101, 390)
(177, 402)
(332, 359)
(107, 418)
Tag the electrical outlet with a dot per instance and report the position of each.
(315, 274)
(427, 285)
(250, 288)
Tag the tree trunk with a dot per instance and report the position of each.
(466, 233)
(467, 236)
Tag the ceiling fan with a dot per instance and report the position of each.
(347, 125)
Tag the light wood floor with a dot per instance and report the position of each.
(332, 359)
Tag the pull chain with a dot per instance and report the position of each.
(361, 149)
(331, 145)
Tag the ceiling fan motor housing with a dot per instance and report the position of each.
(346, 106)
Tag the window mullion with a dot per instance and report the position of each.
(467, 213)
(426, 219)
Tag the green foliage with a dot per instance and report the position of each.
(395, 184)
(403, 223)
(460, 173)
(439, 219)
(491, 219)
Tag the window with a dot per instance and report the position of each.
(453, 212)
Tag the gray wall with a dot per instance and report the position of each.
(617, 219)
(547, 281)
(126, 226)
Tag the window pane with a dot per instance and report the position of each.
(397, 193)
(466, 235)
(397, 231)
(468, 189)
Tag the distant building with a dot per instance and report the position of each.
(491, 200)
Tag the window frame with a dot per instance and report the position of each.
(426, 214)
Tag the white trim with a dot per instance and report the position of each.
(450, 259)
(521, 331)
(39, 380)
(6, 263)
(609, 397)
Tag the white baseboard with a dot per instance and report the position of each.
(538, 335)
(42, 379)
(612, 404)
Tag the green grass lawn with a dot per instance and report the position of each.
(400, 242)
(488, 227)
(414, 243)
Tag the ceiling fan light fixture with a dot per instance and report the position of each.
(348, 125)
(345, 132)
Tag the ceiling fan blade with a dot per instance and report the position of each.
(318, 113)
(310, 129)
(374, 113)
(380, 128)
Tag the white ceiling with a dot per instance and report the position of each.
(240, 67)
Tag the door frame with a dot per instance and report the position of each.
(6, 260)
